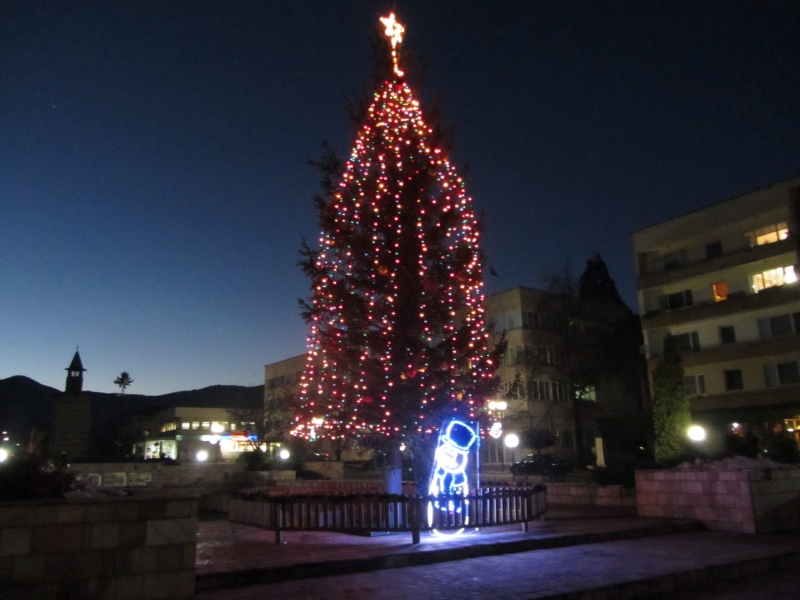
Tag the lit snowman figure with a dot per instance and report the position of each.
(449, 475)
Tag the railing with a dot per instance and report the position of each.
(485, 507)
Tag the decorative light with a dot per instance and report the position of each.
(217, 428)
(449, 476)
(496, 430)
(201, 456)
(394, 31)
(512, 440)
(500, 405)
(696, 433)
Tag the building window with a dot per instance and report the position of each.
(687, 342)
(677, 300)
(508, 321)
(733, 379)
(206, 425)
(714, 250)
(787, 373)
(547, 356)
(772, 278)
(195, 425)
(720, 291)
(185, 425)
(695, 385)
(589, 394)
(727, 334)
(539, 390)
(768, 235)
(674, 260)
(772, 327)
(521, 354)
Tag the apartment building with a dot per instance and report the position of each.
(534, 376)
(723, 282)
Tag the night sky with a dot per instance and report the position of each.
(154, 185)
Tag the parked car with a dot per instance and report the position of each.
(541, 464)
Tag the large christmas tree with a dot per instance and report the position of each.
(398, 338)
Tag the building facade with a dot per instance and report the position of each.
(536, 389)
(722, 281)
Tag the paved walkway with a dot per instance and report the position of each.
(612, 560)
(627, 568)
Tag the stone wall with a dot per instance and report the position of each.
(594, 495)
(110, 548)
(154, 474)
(750, 501)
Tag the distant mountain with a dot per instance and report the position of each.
(25, 404)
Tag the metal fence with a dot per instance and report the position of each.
(484, 507)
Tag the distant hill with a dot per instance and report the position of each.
(25, 404)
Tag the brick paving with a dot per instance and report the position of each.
(613, 569)
(224, 546)
(599, 570)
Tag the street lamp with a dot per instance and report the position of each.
(696, 433)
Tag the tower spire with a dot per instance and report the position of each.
(75, 375)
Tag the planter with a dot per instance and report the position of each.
(98, 548)
(751, 501)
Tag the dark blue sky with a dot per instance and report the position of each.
(154, 185)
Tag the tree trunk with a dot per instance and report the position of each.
(580, 452)
(393, 471)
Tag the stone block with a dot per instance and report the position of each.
(170, 558)
(43, 515)
(70, 513)
(132, 533)
(104, 535)
(14, 516)
(126, 511)
(90, 564)
(57, 538)
(144, 560)
(158, 585)
(15, 541)
(178, 509)
(102, 511)
(183, 584)
(189, 557)
(130, 587)
(28, 569)
(103, 588)
(152, 510)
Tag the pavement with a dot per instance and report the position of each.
(576, 552)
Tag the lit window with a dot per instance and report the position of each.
(206, 424)
(195, 424)
(720, 291)
(772, 278)
(769, 234)
(184, 425)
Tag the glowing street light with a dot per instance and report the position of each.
(696, 433)
(3, 455)
(511, 440)
(284, 454)
(500, 405)
(201, 456)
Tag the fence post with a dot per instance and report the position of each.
(277, 520)
(414, 516)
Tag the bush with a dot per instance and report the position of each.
(252, 461)
(31, 478)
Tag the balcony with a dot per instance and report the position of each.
(711, 265)
(786, 397)
(739, 351)
(736, 303)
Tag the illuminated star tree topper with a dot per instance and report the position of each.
(398, 338)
